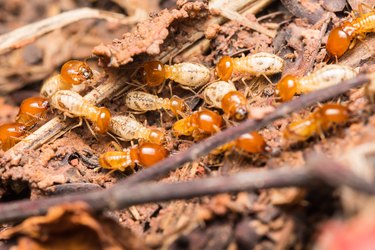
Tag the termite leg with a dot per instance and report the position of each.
(116, 145)
(269, 80)
(89, 126)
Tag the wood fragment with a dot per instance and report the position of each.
(28, 33)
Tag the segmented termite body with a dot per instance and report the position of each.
(72, 76)
(128, 129)
(146, 155)
(224, 95)
(73, 105)
(316, 123)
(198, 124)
(187, 74)
(329, 75)
(343, 37)
(32, 110)
(142, 101)
(10, 134)
(256, 65)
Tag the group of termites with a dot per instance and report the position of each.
(225, 105)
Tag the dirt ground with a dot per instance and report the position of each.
(283, 218)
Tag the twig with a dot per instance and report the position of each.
(128, 192)
(204, 147)
(120, 197)
(28, 33)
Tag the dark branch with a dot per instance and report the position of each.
(119, 197)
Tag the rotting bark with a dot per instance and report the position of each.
(115, 198)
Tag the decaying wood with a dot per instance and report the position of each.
(28, 33)
(132, 191)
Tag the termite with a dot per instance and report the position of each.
(197, 124)
(146, 155)
(187, 74)
(344, 36)
(73, 105)
(225, 96)
(142, 101)
(329, 75)
(32, 110)
(10, 134)
(127, 128)
(320, 120)
(256, 65)
(72, 74)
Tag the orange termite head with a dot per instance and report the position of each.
(153, 73)
(251, 142)
(103, 120)
(286, 88)
(207, 121)
(9, 133)
(32, 109)
(224, 68)
(151, 153)
(75, 72)
(157, 135)
(234, 104)
(178, 106)
(339, 39)
(333, 112)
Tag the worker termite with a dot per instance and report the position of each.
(187, 74)
(320, 120)
(142, 101)
(11, 133)
(344, 36)
(198, 124)
(32, 110)
(128, 129)
(256, 65)
(73, 105)
(72, 74)
(225, 96)
(329, 75)
(146, 155)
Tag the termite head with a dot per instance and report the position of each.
(178, 106)
(339, 39)
(207, 121)
(224, 68)
(286, 88)
(234, 104)
(153, 73)
(151, 153)
(251, 142)
(331, 113)
(75, 72)
(103, 120)
(32, 109)
(156, 135)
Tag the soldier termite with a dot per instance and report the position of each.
(329, 75)
(72, 74)
(187, 74)
(225, 96)
(11, 133)
(255, 65)
(32, 110)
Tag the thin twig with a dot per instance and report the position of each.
(28, 33)
(120, 197)
(128, 192)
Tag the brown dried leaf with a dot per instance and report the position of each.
(72, 226)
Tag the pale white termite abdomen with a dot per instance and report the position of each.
(142, 101)
(188, 74)
(259, 64)
(214, 93)
(128, 128)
